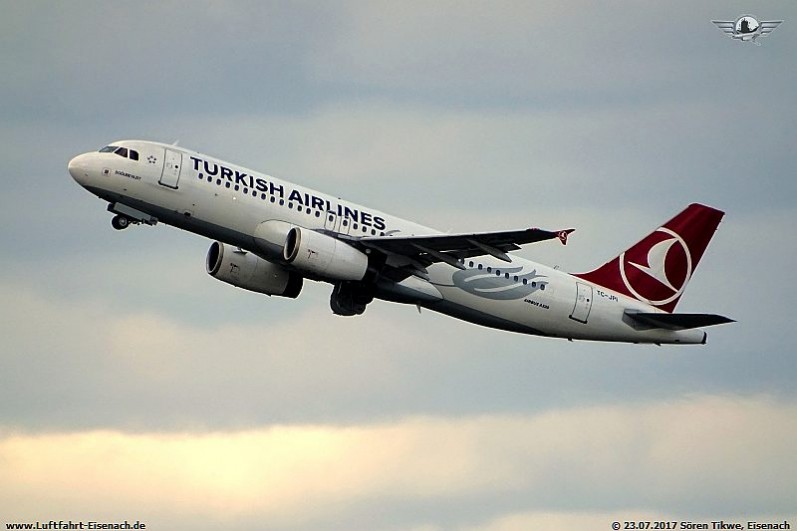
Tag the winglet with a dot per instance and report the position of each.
(562, 235)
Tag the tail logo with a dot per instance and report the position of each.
(658, 268)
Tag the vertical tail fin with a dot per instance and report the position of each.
(657, 269)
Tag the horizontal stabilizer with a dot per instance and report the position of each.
(678, 321)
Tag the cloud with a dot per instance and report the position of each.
(115, 62)
(703, 455)
(577, 55)
(109, 365)
(515, 50)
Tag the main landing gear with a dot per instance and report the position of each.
(351, 298)
(120, 222)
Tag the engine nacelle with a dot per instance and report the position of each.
(245, 270)
(324, 255)
(270, 237)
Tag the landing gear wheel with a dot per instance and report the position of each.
(350, 298)
(120, 222)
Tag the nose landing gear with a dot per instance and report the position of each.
(125, 216)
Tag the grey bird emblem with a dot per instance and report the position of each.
(746, 28)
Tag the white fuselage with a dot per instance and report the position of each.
(226, 202)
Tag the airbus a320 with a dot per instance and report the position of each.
(271, 235)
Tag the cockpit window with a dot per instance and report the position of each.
(121, 151)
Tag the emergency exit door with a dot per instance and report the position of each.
(171, 168)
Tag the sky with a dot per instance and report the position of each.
(134, 386)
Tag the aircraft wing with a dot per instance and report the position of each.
(421, 251)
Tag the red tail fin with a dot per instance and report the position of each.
(657, 269)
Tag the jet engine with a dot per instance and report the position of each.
(323, 255)
(245, 270)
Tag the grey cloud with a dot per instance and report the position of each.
(118, 339)
(682, 458)
(171, 58)
(574, 55)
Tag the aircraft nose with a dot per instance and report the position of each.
(78, 168)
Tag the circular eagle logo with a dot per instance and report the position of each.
(658, 268)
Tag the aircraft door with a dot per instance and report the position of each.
(171, 168)
(331, 221)
(344, 225)
(583, 304)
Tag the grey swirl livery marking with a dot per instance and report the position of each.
(489, 285)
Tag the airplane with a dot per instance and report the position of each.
(270, 235)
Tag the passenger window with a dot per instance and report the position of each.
(134, 154)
